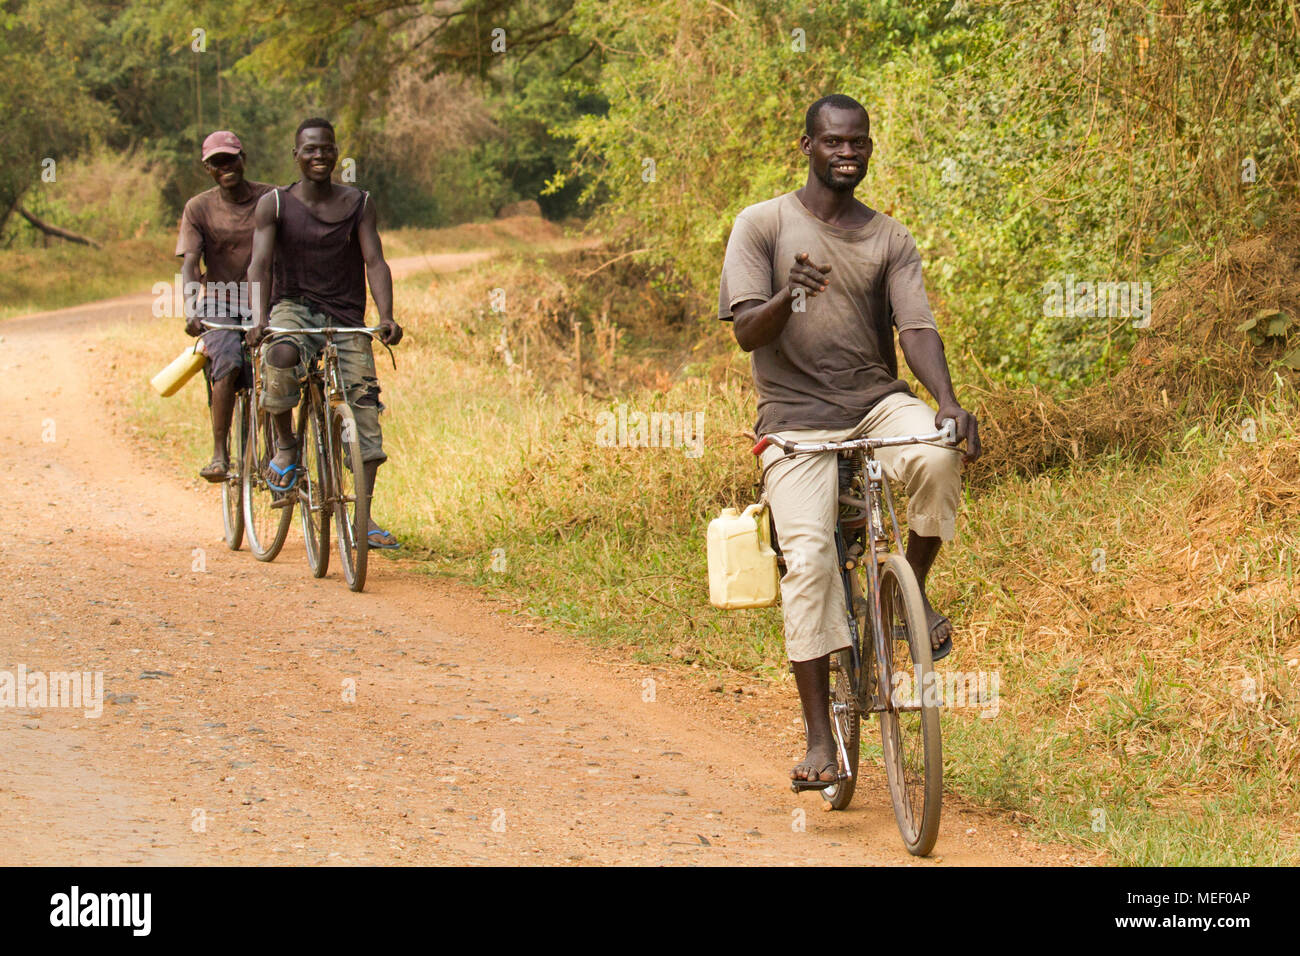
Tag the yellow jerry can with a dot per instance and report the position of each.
(181, 369)
(742, 565)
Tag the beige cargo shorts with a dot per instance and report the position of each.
(804, 492)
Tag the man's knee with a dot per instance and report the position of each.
(224, 379)
(369, 435)
(808, 562)
(935, 468)
(282, 355)
(364, 393)
(934, 492)
(279, 386)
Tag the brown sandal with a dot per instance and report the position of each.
(214, 471)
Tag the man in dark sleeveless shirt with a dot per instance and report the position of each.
(324, 244)
(217, 228)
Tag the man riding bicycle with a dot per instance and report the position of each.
(815, 281)
(217, 229)
(325, 245)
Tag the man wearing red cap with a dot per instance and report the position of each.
(217, 227)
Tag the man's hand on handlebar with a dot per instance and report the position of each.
(194, 324)
(255, 334)
(390, 333)
(967, 429)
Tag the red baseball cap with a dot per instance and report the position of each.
(222, 141)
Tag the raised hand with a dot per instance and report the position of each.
(808, 276)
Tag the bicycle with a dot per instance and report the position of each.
(332, 485)
(232, 488)
(880, 589)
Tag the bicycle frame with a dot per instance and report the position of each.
(232, 486)
(875, 534)
(877, 538)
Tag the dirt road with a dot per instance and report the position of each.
(228, 732)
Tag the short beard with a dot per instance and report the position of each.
(842, 185)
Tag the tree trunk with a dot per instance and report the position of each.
(55, 231)
(8, 208)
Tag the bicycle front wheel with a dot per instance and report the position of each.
(266, 526)
(351, 495)
(909, 726)
(314, 489)
(232, 489)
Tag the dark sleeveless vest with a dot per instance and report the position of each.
(320, 261)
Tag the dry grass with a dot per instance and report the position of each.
(34, 280)
(1191, 364)
(516, 233)
(1144, 621)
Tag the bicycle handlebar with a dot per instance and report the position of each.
(947, 435)
(214, 325)
(372, 331)
(331, 329)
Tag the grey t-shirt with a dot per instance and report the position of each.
(835, 360)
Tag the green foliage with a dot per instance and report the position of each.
(1267, 324)
(1021, 145)
(46, 108)
(103, 194)
(492, 144)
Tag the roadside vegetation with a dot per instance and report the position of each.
(1138, 603)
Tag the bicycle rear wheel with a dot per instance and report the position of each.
(909, 727)
(314, 489)
(351, 496)
(232, 489)
(266, 527)
(846, 726)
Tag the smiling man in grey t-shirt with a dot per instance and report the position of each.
(816, 282)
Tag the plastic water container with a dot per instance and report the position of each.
(181, 369)
(742, 565)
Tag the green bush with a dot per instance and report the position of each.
(1021, 144)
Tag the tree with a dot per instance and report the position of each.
(48, 113)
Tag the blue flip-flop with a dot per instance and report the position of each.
(289, 472)
(383, 534)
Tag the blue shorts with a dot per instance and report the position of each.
(225, 352)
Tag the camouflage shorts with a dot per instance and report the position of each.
(280, 390)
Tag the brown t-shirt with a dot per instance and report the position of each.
(836, 359)
(222, 233)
